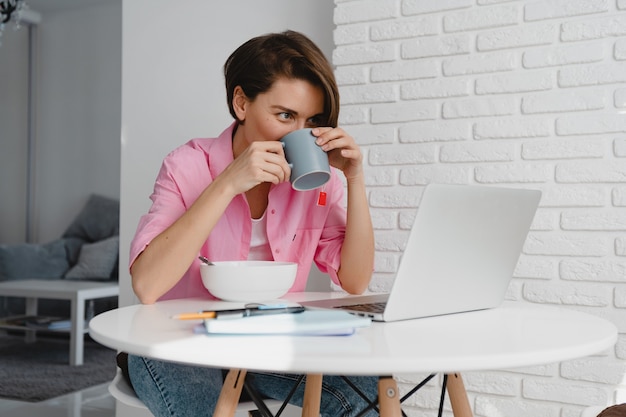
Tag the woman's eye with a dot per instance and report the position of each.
(315, 121)
(284, 115)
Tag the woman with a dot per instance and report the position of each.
(229, 198)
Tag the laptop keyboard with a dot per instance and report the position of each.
(366, 308)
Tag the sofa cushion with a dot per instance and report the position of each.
(29, 261)
(99, 219)
(72, 249)
(96, 260)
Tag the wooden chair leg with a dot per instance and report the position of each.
(458, 396)
(388, 397)
(231, 391)
(312, 395)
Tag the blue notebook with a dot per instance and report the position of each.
(309, 322)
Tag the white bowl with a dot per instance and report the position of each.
(248, 280)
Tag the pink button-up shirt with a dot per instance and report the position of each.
(298, 228)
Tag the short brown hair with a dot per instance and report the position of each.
(259, 62)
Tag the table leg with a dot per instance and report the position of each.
(77, 327)
(231, 391)
(312, 395)
(458, 396)
(388, 397)
(31, 310)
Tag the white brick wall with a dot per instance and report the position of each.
(521, 93)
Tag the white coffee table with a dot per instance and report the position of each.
(77, 292)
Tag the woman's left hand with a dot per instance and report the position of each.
(343, 152)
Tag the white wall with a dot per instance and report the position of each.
(13, 134)
(522, 93)
(173, 84)
(78, 96)
(78, 113)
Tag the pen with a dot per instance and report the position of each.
(237, 313)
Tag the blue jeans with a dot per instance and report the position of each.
(175, 390)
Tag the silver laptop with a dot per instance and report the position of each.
(460, 255)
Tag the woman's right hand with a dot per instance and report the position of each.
(261, 161)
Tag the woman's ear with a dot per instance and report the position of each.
(240, 103)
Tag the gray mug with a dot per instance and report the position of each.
(309, 163)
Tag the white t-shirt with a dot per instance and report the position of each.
(259, 245)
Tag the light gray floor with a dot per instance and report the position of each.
(91, 402)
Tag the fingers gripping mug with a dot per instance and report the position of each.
(309, 163)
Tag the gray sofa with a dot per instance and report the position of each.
(87, 250)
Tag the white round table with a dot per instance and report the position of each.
(512, 335)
